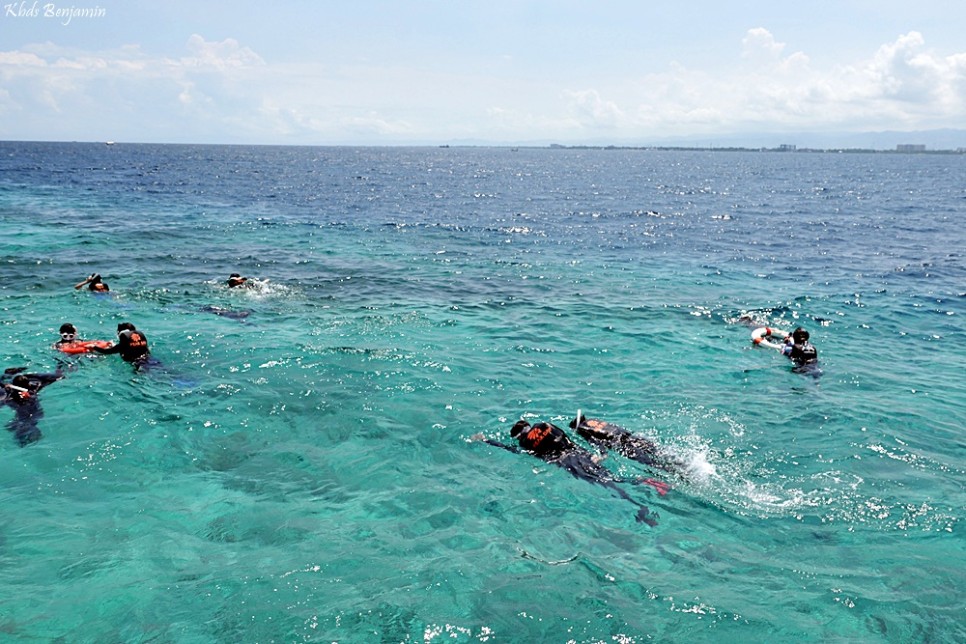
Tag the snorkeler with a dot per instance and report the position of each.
(68, 335)
(235, 280)
(20, 393)
(131, 344)
(799, 350)
(551, 444)
(70, 343)
(606, 435)
(795, 346)
(94, 283)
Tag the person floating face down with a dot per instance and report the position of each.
(131, 344)
(550, 443)
(604, 435)
(800, 351)
(94, 283)
(20, 394)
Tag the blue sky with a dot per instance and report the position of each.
(627, 72)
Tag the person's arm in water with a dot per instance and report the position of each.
(114, 348)
(489, 441)
(45, 379)
(23, 386)
(90, 279)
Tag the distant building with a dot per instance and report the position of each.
(910, 147)
(786, 147)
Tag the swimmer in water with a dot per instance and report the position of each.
(131, 344)
(69, 343)
(799, 350)
(795, 346)
(20, 393)
(606, 436)
(68, 335)
(235, 280)
(94, 283)
(552, 445)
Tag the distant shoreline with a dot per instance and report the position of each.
(784, 149)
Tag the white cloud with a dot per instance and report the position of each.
(226, 54)
(10, 60)
(758, 43)
(907, 73)
(220, 90)
(900, 85)
(86, 63)
(590, 110)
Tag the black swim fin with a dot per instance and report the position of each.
(644, 516)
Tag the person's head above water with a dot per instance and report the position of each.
(518, 428)
(19, 388)
(236, 280)
(125, 326)
(97, 284)
(799, 349)
(94, 283)
(542, 439)
(67, 332)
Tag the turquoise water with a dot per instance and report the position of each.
(305, 474)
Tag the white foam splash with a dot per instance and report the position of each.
(698, 468)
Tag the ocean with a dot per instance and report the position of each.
(302, 465)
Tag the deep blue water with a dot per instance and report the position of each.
(305, 473)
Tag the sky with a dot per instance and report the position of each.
(500, 72)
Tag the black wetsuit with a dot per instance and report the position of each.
(551, 444)
(805, 357)
(132, 345)
(803, 354)
(637, 448)
(26, 407)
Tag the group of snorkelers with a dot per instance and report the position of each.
(542, 440)
(551, 444)
(95, 283)
(132, 344)
(18, 390)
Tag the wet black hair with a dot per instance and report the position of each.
(125, 326)
(518, 428)
(800, 335)
(67, 327)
